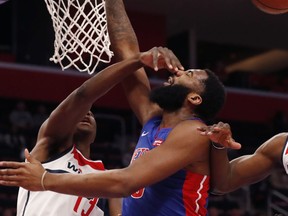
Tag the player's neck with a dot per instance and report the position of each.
(171, 119)
(82, 143)
(84, 149)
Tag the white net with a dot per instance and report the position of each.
(81, 35)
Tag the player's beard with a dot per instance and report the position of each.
(170, 98)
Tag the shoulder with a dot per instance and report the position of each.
(187, 137)
(280, 137)
(191, 125)
(277, 141)
(274, 146)
(187, 131)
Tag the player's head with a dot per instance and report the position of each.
(86, 128)
(201, 90)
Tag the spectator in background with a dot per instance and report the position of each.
(39, 116)
(20, 117)
(38, 119)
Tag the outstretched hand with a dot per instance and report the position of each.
(161, 58)
(23, 174)
(221, 134)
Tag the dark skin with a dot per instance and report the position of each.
(68, 125)
(109, 183)
(248, 169)
(191, 153)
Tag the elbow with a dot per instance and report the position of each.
(81, 92)
(83, 95)
(126, 191)
(219, 191)
(129, 189)
(126, 184)
(223, 188)
(220, 188)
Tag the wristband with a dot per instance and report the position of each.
(217, 147)
(42, 180)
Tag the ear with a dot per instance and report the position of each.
(194, 99)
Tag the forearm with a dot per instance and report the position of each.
(115, 206)
(123, 39)
(124, 44)
(220, 170)
(229, 176)
(102, 82)
(101, 184)
(84, 96)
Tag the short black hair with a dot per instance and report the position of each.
(213, 97)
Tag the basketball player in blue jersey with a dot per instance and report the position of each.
(169, 171)
(64, 139)
(247, 169)
(63, 146)
(183, 191)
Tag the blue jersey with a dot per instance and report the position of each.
(183, 193)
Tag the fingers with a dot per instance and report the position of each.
(14, 175)
(216, 128)
(235, 145)
(11, 164)
(10, 177)
(9, 183)
(9, 172)
(23, 174)
(221, 134)
(204, 130)
(155, 55)
(209, 130)
(161, 58)
(29, 157)
(170, 59)
(27, 154)
(165, 58)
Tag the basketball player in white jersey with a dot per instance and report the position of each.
(228, 175)
(63, 145)
(63, 142)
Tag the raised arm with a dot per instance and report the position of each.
(62, 122)
(57, 131)
(124, 45)
(228, 175)
(60, 126)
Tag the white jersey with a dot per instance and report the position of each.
(285, 156)
(49, 203)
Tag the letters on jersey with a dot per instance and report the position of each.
(49, 203)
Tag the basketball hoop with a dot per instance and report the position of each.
(81, 35)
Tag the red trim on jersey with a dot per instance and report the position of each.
(286, 151)
(82, 161)
(195, 193)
